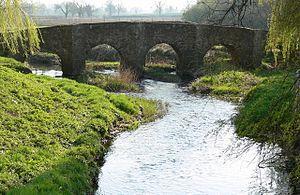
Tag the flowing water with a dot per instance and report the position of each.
(188, 151)
(192, 150)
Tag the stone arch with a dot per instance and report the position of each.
(103, 52)
(101, 56)
(114, 46)
(92, 44)
(218, 58)
(64, 59)
(171, 45)
(169, 49)
(231, 48)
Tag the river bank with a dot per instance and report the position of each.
(53, 130)
(269, 110)
(125, 115)
(193, 149)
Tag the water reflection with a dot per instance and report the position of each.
(51, 73)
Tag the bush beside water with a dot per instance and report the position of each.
(228, 85)
(270, 115)
(269, 111)
(123, 82)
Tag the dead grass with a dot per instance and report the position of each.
(127, 76)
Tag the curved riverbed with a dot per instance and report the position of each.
(188, 151)
(191, 150)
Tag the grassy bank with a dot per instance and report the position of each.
(271, 114)
(51, 131)
(161, 72)
(99, 66)
(228, 85)
(270, 110)
(156, 71)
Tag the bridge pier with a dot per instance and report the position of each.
(133, 61)
(188, 64)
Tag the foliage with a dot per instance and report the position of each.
(230, 85)
(284, 33)
(51, 131)
(216, 60)
(161, 53)
(15, 65)
(43, 60)
(270, 114)
(111, 83)
(161, 72)
(99, 66)
(18, 32)
(284, 27)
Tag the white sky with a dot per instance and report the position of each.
(145, 5)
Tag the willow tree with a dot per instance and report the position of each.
(18, 33)
(284, 32)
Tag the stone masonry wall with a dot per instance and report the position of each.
(133, 40)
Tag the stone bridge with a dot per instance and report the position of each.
(133, 40)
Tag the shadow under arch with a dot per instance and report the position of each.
(161, 61)
(220, 57)
(103, 56)
(168, 51)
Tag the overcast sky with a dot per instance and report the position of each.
(145, 5)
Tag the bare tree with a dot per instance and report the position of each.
(80, 9)
(120, 8)
(159, 7)
(89, 10)
(110, 8)
(229, 12)
(135, 10)
(171, 9)
(234, 9)
(28, 7)
(66, 8)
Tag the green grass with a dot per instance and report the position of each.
(218, 60)
(270, 114)
(228, 85)
(99, 66)
(51, 131)
(15, 65)
(161, 72)
(44, 61)
(162, 66)
(155, 71)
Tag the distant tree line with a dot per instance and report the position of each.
(72, 8)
